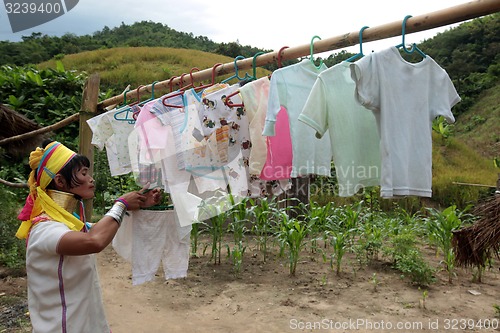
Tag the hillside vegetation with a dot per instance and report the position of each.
(122, 66)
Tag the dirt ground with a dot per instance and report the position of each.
(263, 297)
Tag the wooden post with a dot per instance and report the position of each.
(300, 191)
(87, 111)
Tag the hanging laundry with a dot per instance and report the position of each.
(354, 137)
(146, 144)
(255, 96)
(112, 133)
(147, 238)
(215, 114)
(290, 87)
(165, 123)
(405, 98)
(279, 159)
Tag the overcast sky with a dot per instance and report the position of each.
(268, 24)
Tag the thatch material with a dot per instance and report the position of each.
(475, 244)
(12, 124)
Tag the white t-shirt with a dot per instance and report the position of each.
(331, 107)
(289, 87)
(64, 294)
(405, 98)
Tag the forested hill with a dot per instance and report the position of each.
(37, 48)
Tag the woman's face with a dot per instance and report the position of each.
(84, 188)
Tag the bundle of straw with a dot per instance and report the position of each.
(475, 244)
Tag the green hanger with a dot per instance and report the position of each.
(312, 49)
(254, 67)
(414, 46)
(360, 54)
(236, 74)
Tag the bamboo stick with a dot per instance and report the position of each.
(53, 127)
(460, 13)
(468, 184)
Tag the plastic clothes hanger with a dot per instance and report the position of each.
(191, 85)
(254, 66)
(164, 99)
(126, 113)
(312, 52)
(227, 101)
(360, 54)
(213, 77)
(280, 63)
(414, 46)
(236, 74)
(152, 94)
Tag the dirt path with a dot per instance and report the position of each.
(264, 298)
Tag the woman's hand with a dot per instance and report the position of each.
(153, 198)
(141, 199)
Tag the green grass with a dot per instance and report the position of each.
(480, 126)
(119, 67)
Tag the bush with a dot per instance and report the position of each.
(408, 259)
(12, 249)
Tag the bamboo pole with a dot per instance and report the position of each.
(66, 121)
(460, 13)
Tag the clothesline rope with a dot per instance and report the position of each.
(451, 15)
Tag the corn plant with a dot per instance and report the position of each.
(237, 226)
(217, 219)
(195, 233)
(440, 227)
(263, 213)
(370, 240)
(236, 254)
(319, 216)
(351, 219)
(291, 236)
(339, 242)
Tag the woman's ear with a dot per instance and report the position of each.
(59, 182)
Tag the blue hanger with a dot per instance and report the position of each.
(254, 66)
(152, 94)
(360, 54)
(414, 46)
(312, 49)
(126, 113)
(236, 74)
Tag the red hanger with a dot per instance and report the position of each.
(164, 99)
(213, 77)
(228, 102)
(191, 85)
(279, 56)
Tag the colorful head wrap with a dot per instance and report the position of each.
(45, 163)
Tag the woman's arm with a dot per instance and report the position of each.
(101, 234)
